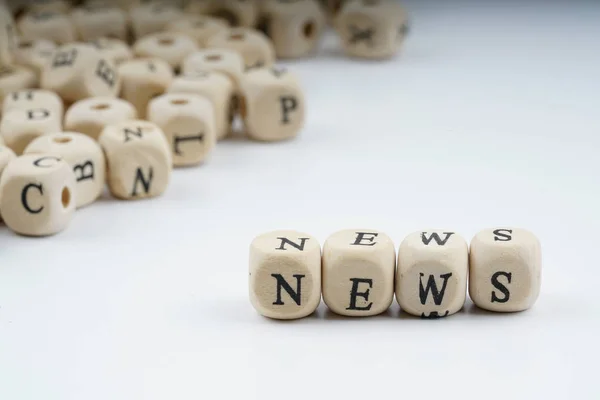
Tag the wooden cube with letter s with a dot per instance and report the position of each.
(505, 269)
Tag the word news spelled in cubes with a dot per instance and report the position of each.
(358, 272)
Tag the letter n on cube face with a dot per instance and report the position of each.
(358, 272)
(285, 274)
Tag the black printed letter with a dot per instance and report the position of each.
(81, 168)
(139, 177)
(39, 161)
(288, 104)
(434, 236)
(106, 73)
(354, 293)
(438, 296)
(24, 198)
(129, 132)
(503, 289)
(38, 114)
(358, 35)
(178, 139)
(64, 58)
(281, 283)
(360, 236)
(502, 235)
(288, 241)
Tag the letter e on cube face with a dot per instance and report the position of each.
(358, 272)
(505, 269)
(285, 274)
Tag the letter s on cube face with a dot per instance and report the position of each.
(358, 272)
(431, 280)
(285, 274)
(505, 269)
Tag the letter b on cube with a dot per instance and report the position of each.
(285, 274)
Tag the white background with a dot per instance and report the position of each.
(489, 117)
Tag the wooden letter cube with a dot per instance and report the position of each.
(50, 25)
(358, 272)
(139, 159)
(294, 27)
(20, 126)
(94, 22)
(431, 281)
(505, 269)
(85, 157)
(372, 28)
(172, 47)
(228, 62)
(255, 47)
(91, 116)
(188, 122)
(30, 99)
(272, 104)
(217, 88)
(15, 78)
(198, 27)
(285, 274)
(37, 195)
(78, 71)
(143, 80)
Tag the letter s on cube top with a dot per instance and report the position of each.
(285, 274)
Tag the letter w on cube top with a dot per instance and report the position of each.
(358, 272)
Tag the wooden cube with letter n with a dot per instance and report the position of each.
(138, 158)
(285, 274)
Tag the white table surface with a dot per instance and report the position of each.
(489, 117)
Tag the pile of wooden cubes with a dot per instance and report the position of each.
(118, 93)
